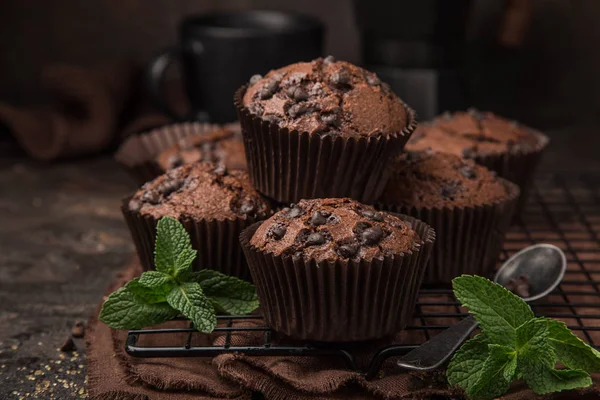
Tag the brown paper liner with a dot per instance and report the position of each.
(342, 300)
(469, 239)
(138, 153)
(517, 166)
(217, 241)
(290, 165)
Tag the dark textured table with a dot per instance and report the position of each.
(62, 239)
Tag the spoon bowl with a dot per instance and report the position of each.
(544, 265)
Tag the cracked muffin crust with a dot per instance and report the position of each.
(328, 97)
(470, 134)
(329, 229)
(437, 180)
(200, 191)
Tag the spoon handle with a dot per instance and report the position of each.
(436, 351)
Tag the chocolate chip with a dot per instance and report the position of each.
(372, 235)
(372, 215)
(135, 205)
(468, 172)
(268, 89)
(340, 78)
(329, 60)
(247, 207)
(297, 93)
(78, 330)
(373, 80)
(468, 153)
(254, 79)
(325, 213)
(295, 78)
(169, 186)
(299, 109)
(277, 231)
(273, 118)
(448, 192)
(68, 346)
(315, 239)
(348, 250)
(318, 219)
(360, 227)
(295, 211)
(256, 108)
(151, 197)
(220, 170)
(331, 119)
(302, 236)
(174, 161)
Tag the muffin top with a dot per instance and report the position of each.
(330, 229)
(200, 191)
(222, 146)
(470, 134)
(437, 180)
(328, 97)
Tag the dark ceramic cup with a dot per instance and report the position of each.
(220, 52)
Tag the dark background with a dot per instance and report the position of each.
(552, 82)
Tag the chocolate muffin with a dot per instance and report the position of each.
(221, 146)
(214, 205)
(337, 270)
(469, 207)
(323, 128)
(501, 145)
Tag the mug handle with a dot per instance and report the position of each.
(154, 74)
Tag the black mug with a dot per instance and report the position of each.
(220, 52)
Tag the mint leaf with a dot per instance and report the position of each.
(492, 381)
(189, 299)
(173, 253)
(498, 311)
(544, 379)
(464, 369)
(155, 279)
(229, 294)
(151, 296)
(571, 351)
(532, 341)
(125, 310)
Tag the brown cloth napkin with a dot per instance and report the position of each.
(115, 375)
(87, 110)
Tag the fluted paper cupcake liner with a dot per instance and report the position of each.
(342, 300)
(517, 166)
(469, 239)
(217, 241)
(138, 153)
(290, 165)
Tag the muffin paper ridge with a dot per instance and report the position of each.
(291, 165)
(217, 241)
(324, 301)
(469, 239)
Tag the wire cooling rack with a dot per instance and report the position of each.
(563, 210)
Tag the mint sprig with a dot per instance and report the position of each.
(174, 289)
(514, 344)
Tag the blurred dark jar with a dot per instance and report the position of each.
(418, 47)
(220, 52)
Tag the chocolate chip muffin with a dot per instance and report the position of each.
(320, 129)
(214, 205)
(221, 146)
(469, 207)
(328, 229)
(506, 147)
(337, 270)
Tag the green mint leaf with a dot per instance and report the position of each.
(498, 311)
(464, 369)
(189, 299)
(532, 340)
(155, 279)
(544, 379)
(510, 371)
(173, 253)
(492, 382)
(151, 296)
(228, 294)
(570, 350)
(125, 310)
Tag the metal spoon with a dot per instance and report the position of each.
(543, 264)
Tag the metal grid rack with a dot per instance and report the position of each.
(563, 210)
